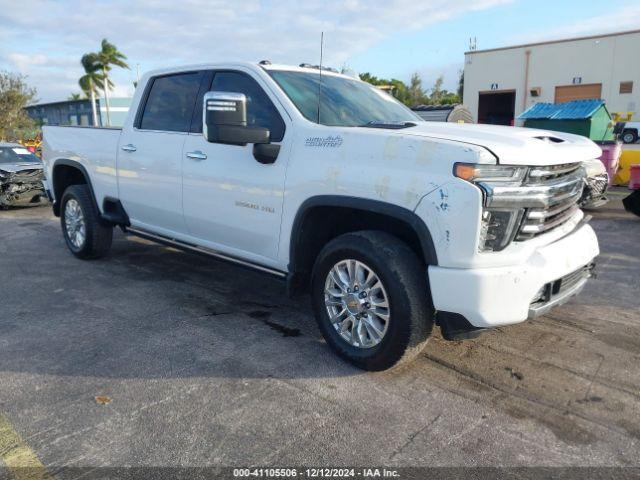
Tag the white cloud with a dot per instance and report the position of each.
(626, 18)
(155, 33)
(449, 72)
(24, 62)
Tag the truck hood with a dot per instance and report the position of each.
(513, 145)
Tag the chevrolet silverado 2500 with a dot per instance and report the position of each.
(392, 224)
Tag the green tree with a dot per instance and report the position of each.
(461, 86)
(74, 96)
(436, 91)
(367, 77)
(108, 57)
(449, 98)
(92, 81)
(15, 94)
(398, 88)
(415, 92)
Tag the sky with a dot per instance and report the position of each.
(45, 40)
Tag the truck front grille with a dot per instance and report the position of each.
(558, 189)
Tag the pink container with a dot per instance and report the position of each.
(611, 158)
(634, 180)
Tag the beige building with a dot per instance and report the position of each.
(501, 83)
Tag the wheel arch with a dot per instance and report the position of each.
(321, 218)
(67, 172)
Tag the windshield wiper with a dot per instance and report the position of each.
(389, 125)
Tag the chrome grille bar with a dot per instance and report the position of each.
(548, 225)
(535, 196)
(537, 174)
(542, 214)
(558, 189)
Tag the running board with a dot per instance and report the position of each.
(172, 242)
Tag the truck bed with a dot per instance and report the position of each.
(95, 148)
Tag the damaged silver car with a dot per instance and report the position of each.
(596, 184)
(21, 175)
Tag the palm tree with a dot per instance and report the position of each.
(74, 97)
(107, 57)
(91, 81)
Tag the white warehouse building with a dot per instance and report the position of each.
(500, 83)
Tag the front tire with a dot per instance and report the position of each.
(86, 235)
(371, 300)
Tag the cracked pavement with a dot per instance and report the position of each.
(209, 364)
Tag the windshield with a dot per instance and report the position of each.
(344, 102)
(17, 154)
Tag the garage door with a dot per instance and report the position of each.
(567, 93)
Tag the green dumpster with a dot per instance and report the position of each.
(589, 118)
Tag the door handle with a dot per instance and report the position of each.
(129, 148)
(197, 155)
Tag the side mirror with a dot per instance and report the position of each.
(224, 120)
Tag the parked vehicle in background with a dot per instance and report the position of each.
(596, 183)
(630, 132)
(21, 176)
(392, 224)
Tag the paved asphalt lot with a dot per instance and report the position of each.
(209, 364)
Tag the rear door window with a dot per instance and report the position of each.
(170, 102)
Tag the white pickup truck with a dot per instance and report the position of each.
(392, 224)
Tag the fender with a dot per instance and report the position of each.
(374, 206)
(112, 213)
(85, 174)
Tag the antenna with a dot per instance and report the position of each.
(320, 80)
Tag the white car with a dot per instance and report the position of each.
(393, 225)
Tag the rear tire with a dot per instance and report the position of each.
(378, 344)
(86, 235)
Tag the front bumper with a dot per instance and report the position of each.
(490, 297)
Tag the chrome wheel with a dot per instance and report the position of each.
(74, 223)
(357, 303)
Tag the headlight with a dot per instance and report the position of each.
(490, 173)
(499, 226)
